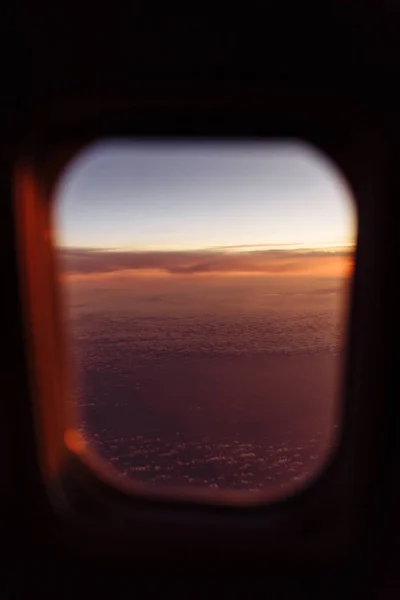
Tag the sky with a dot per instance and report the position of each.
(249, 198)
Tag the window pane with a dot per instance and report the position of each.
(205, 294)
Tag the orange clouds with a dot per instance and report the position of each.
(81, 264)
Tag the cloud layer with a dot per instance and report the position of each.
(78, 261)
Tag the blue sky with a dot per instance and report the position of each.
(136, 195)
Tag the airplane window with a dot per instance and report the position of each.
(205, 290)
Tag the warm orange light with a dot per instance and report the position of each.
(74, 441)
(329, 264)
(43, 335)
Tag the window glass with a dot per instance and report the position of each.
(206, 291)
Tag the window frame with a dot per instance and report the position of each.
(325, 521)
